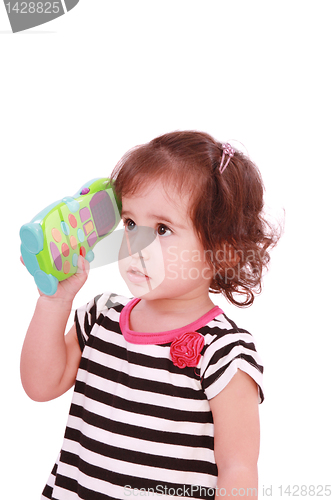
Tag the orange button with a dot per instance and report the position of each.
(66, 267)
(72, 220)
(56, 234)
(73, 242)
(65, 250)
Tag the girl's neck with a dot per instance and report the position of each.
(152, 315)
(177, 307)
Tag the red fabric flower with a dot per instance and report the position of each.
(185, 350)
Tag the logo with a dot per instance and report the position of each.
(25, 15)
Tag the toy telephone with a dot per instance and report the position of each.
(54, 239)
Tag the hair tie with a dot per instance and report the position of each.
(228, 151)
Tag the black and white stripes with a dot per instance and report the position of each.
(137, 421)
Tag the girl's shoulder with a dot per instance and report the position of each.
(95, 311)
(228, 348)
(220, 326)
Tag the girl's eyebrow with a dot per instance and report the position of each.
(158, 217)
(165, 219)
(125, 213)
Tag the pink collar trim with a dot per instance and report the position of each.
(160, 337)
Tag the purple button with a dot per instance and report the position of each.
(92, 239)
(85, 191)
(56, 255)
(84, 214)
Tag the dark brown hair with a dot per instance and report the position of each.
(226, 211)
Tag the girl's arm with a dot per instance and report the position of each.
(236, 437)
(49, 359)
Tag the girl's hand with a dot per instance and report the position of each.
(68, 288)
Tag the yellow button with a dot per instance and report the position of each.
(88, 227)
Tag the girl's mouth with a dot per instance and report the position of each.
(136, 276)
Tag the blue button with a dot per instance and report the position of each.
(32, 237)
(90, 256)
(75, 258)
(47, 283)
(30, 260)
(80, 235)
(65, 228)
(72, 204)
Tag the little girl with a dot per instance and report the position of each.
(167, 387)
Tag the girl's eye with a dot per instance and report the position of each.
(129, 225)
(163, 230)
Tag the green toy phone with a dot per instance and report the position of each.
(52, 242)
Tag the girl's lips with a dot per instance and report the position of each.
(136, 276)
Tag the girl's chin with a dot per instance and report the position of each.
(140, 288)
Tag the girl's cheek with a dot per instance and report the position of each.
(121, 266)
(170, 252)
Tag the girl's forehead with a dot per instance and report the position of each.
(162, 192)
(158, 198)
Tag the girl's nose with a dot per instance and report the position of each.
(139, 240)
(144, 254)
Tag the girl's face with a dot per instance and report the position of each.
(172, 262)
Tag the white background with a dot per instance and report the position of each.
(78, 92)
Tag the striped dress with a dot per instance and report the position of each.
(139, 425)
